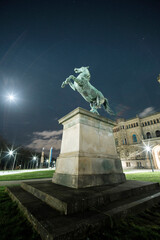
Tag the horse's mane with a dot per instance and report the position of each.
(87, 75)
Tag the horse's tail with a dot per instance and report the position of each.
(107, 107)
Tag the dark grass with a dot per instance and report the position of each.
(29, 175)
(13, 224)
(144, 226)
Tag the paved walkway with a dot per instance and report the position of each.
(18, 182)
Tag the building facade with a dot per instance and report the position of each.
(133, 136)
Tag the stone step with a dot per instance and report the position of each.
(132, 205)
(52, 225)
(69, 200)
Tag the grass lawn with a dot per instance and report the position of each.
(146, 176)
(29, 175)
(13, 225)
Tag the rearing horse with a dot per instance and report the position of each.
(89, 93)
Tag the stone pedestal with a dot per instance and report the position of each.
(88, 154)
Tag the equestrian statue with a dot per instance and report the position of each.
(81, 83)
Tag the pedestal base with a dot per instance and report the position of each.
(59, 212)
(88, 154)
(83, 181)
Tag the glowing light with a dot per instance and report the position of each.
(34, 158)
(148, 149)
(10, 152)
(11, 97)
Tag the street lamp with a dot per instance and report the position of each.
(35, 158)
(11, 153)
(148, 149)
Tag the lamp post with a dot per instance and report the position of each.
(148, 149)
(35, 160)
(13, 153)
(15, 156)
(33, 164)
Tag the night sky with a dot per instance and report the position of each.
(41, 42)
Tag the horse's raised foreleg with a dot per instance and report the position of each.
(68, 81)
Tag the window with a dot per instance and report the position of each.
(145, 124)
(125, 140)
(148, 134)
(151, 122)
(154, 121)
(128, 164)
(134, 138)
(139, 164)
(148, 123)
(157, 133)
(132, 125)
(136, 124)
(157, 120)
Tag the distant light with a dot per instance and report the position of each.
(148, 149)
(34, 158)
(10, 152)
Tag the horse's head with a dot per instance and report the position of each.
(84, 71)
(80, 70)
